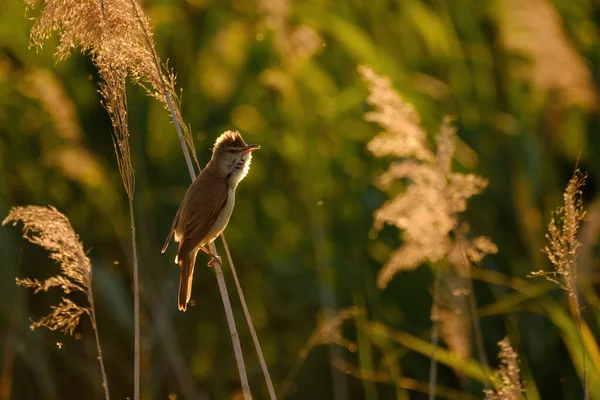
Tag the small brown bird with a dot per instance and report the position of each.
(207, 206)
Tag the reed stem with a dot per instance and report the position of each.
(261, 358)
(136, 308)
(97, 337)
(435, 337)
(237, 348)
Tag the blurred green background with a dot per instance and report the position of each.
(521, 78)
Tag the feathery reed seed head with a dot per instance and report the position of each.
(329, 330)
(427, 210)
(555, 63)
(51, 230)
(507, 383)
(117, 35)
(563, 244)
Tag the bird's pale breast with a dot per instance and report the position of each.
(222, 219)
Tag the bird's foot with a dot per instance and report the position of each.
(215, 259)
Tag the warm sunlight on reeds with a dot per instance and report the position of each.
(507, 384)
(427, 210)
(423, 165)
(51, 230)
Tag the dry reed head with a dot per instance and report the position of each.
(563, 245)
(534, 29)
(113, 91)
(294, 43)
(507, 383)
(48, 228)
(427, 210)
(329, 331)
(403, 135)
(117, 35)
(108, 29)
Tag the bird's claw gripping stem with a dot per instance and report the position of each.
(215, 259)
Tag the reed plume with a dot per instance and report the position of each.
(117, 36)
(563, 245)
(507, 382)
(562, 250)
(427, 212)
(534, 30)
(51, 230)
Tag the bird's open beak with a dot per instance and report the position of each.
(250, 147)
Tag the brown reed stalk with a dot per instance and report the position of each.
(562, 250)
(51, 230)
(113, 90)
(261, 357)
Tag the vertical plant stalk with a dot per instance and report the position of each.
(572, 218)
(562, 250)
(237, 347)
(97, 337)
(117, 109)
(113, 90)
(570, 215)
(136, 309)
(477, 327)
(435, 336)
(586, 389)
(261, 358)
(464, 270)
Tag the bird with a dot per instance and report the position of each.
(207, 206)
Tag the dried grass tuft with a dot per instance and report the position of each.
(534, 29)
(427, 210)
(51, 230)
(117, 36)
(507, 385)
(48, 228)
(562, 250)
(563, 245)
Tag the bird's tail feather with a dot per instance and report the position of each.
(186, 277)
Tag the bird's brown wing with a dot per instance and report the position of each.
(206, 201)
(170, 235)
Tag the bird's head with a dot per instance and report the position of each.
(233, 156)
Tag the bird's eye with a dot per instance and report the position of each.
(231, 151)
